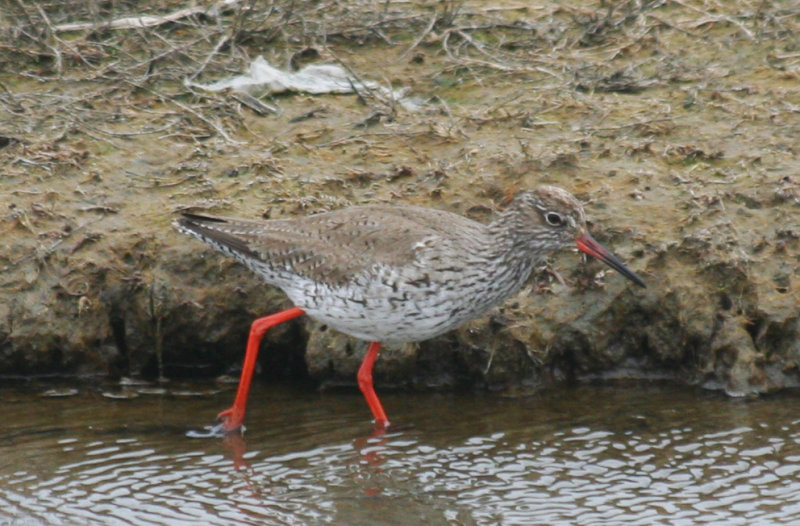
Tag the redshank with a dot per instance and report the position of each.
(395, 273)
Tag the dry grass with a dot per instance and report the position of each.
(616, 47)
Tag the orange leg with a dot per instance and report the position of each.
(232, 418)
(365, 383)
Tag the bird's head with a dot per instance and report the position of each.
(552, 218)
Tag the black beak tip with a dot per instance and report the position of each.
(590, 246)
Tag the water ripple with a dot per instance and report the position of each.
(670, 457)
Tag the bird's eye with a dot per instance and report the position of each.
(553, 219)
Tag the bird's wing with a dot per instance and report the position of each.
(335, 246)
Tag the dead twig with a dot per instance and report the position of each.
(421, 37)
(711, 18)
(631, 124)
(171, 100)
(364, 93)
(221, 42)
(138, 22)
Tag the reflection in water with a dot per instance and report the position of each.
(236, 444)
(625, 453)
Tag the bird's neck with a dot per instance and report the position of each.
(514, 240)
(512, 252)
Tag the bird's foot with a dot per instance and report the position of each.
(230, 420)
(379, 427)
(230, 423)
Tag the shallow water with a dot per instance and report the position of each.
(632, 453)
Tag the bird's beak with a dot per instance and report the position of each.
(586, 243)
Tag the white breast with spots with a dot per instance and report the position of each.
(393, 305)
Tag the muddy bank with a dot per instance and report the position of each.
(675, 123)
